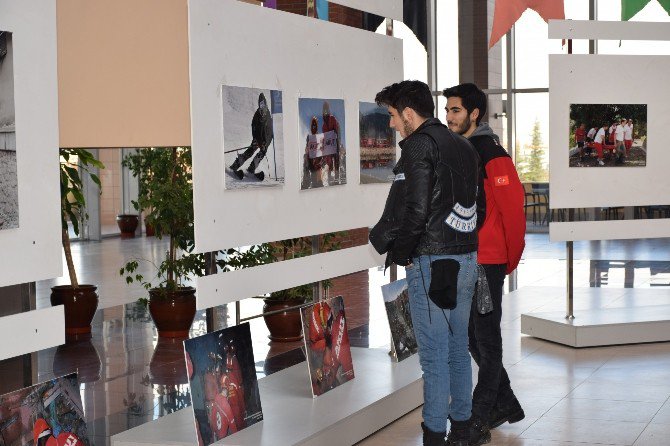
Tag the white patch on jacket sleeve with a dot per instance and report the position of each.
(399, 177)
(462, 219)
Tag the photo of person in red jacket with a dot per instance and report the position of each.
(501, 244)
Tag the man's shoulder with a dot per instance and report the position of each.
(488, 148)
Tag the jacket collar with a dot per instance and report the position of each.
(427, 123)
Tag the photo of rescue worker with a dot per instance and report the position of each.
(224, 388)
(327, 345)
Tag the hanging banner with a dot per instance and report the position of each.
(507, 12)
(270, 4)
(631, 7)
(322, 9)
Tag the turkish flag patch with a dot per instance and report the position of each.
(501, 181)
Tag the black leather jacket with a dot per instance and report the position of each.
(442, 205)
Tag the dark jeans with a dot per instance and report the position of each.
(485, 343)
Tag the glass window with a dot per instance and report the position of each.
(448, 73)
(532, 136)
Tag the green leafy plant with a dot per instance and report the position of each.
(166, 196)
(277, 251)
(74, 163)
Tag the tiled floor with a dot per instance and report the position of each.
(612, 395)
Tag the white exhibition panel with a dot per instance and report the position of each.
(604, 30)
(609, 230)
(390, 9)
(382, 391)
(604, 79)
(32, 331)
(301, 57)
(32, 251)
(222, 288)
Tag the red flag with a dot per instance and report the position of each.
(507, 12)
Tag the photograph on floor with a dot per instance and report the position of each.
(224, 388)
(322, 127)
(46, 414)
(9, 195)
(608, 135)
(378, 144)
(396, 301)
(253, 137)
(327, 345)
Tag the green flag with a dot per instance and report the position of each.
(631, 7)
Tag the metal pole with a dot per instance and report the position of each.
(431, 9)
(570, 285)
(317, 288)
(210, 268)
(512, 282)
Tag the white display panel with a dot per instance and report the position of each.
(601, 79)
(232, 286)
(390, 9)
(302, 58)
(32, 251)
(36, 330)
(604, 30)
(609, 230)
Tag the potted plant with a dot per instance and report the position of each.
(141, 164)
(127, 224)
(284, 321)
(80, 301)
(168, 194)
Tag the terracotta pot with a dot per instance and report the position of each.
(127, 224)
(173, 312)
(285, 326)
(149, 230)
(168, 364)
(80, 305)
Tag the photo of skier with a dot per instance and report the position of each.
(324, 157)
(253, 139)
(224, 388)
(396, 301)
(378, 144)
(327, 345)
(46, 414)
(9, 195)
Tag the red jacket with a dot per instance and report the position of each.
(501, 238)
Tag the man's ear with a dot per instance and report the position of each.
(408, 114)
(474, 115)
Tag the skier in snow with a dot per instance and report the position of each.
(262, 135)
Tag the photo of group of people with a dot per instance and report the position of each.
(9, 196)
(224, 388)
(253, 137)
(47, 414)
(324, 158)
(327, 345)
(378, 144)
(608, 135)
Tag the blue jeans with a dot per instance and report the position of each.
(443, 354)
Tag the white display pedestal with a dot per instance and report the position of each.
(605, 316)
(381, 392)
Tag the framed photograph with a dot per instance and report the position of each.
(47, 414)
(327, 345)
(378, 144)
(396, 301)
(608, 135)
(322, 128)
(224, 388)
(253, 137)
(9, 195)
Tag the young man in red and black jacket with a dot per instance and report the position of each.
(501, 243)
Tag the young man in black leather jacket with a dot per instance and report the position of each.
(436, 241)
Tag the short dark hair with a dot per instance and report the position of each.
(471, 97)
(413, 94)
